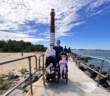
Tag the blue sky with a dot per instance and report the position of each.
(79, 24)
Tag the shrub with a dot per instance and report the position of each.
(5, 85)
(10, 75)
(40, 67)
(25, 77)
(20, 87)
(2, 92)
(1, 79)
(3, 75)
(23, 70)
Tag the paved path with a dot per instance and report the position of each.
(79, 84)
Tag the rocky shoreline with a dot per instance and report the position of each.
(104, 82)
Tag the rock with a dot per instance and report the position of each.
(15, 82)
(105, 85)
(82, 68)
(92, 66)
(26, 70)
(88, 73)
(88, 64)
(17, 92)
(35, 68)
(89, 70)
(16, 77)
(102, 80)
(34, 78)
(27, 74)
(108, 81)
(13, 70)
(103, 72)
(26, 89)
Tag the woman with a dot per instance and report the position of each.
(50, 51)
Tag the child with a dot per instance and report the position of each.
(62, 64)
(50, 69)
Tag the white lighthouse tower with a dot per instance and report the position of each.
(52, 27)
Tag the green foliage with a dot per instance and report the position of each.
(1, 79)
(40, 67)
(2, 92)
(3, 75)
(23, 70)
(25, 77)
(10, 75)
(5, 85)
(20, 87)
(20, 46)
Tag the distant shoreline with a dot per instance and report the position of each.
(92, 49)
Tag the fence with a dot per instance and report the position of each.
(76, 58)
(30, 74)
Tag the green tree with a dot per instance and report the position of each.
(5, 47)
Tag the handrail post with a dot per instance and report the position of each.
(43, 67)
(36, 62)
(108, 70)
(76, 59)
(39, 63)
(79, 61)
(73, 56)
(30, 74)
(100, 73)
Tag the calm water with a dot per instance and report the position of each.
(105, 54)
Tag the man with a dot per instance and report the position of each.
(58, 49)
(65, 50)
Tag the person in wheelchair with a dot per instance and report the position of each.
(63, 64)
(50, 69)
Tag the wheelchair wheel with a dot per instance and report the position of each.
(44, 84)
(66, 78)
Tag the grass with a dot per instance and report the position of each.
(20, 87)
(1, 79)
(3, 75)
(10, 75)
(5, 85)
(40, 67)
(23, 70)
(2, 92)
(25, 77)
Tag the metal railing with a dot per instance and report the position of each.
(30, 74)
(42, 64)
(77, 61)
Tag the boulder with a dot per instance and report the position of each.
(89, 64)
(34, 78)
(16, 77)
(103, 72)
(88, 73)
(102, 81)
(82, 68)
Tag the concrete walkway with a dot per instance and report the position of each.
(79, 84)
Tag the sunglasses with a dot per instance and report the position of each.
(51, 45)
(58, 42)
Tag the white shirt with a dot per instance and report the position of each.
(50, 52)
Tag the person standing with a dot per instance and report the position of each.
(50, 51)
(69, 52)
(58, 48)
(65, 50)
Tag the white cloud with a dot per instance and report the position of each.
(19, 36)
(14, 14)
(97, 3)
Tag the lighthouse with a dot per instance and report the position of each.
(52, 27)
